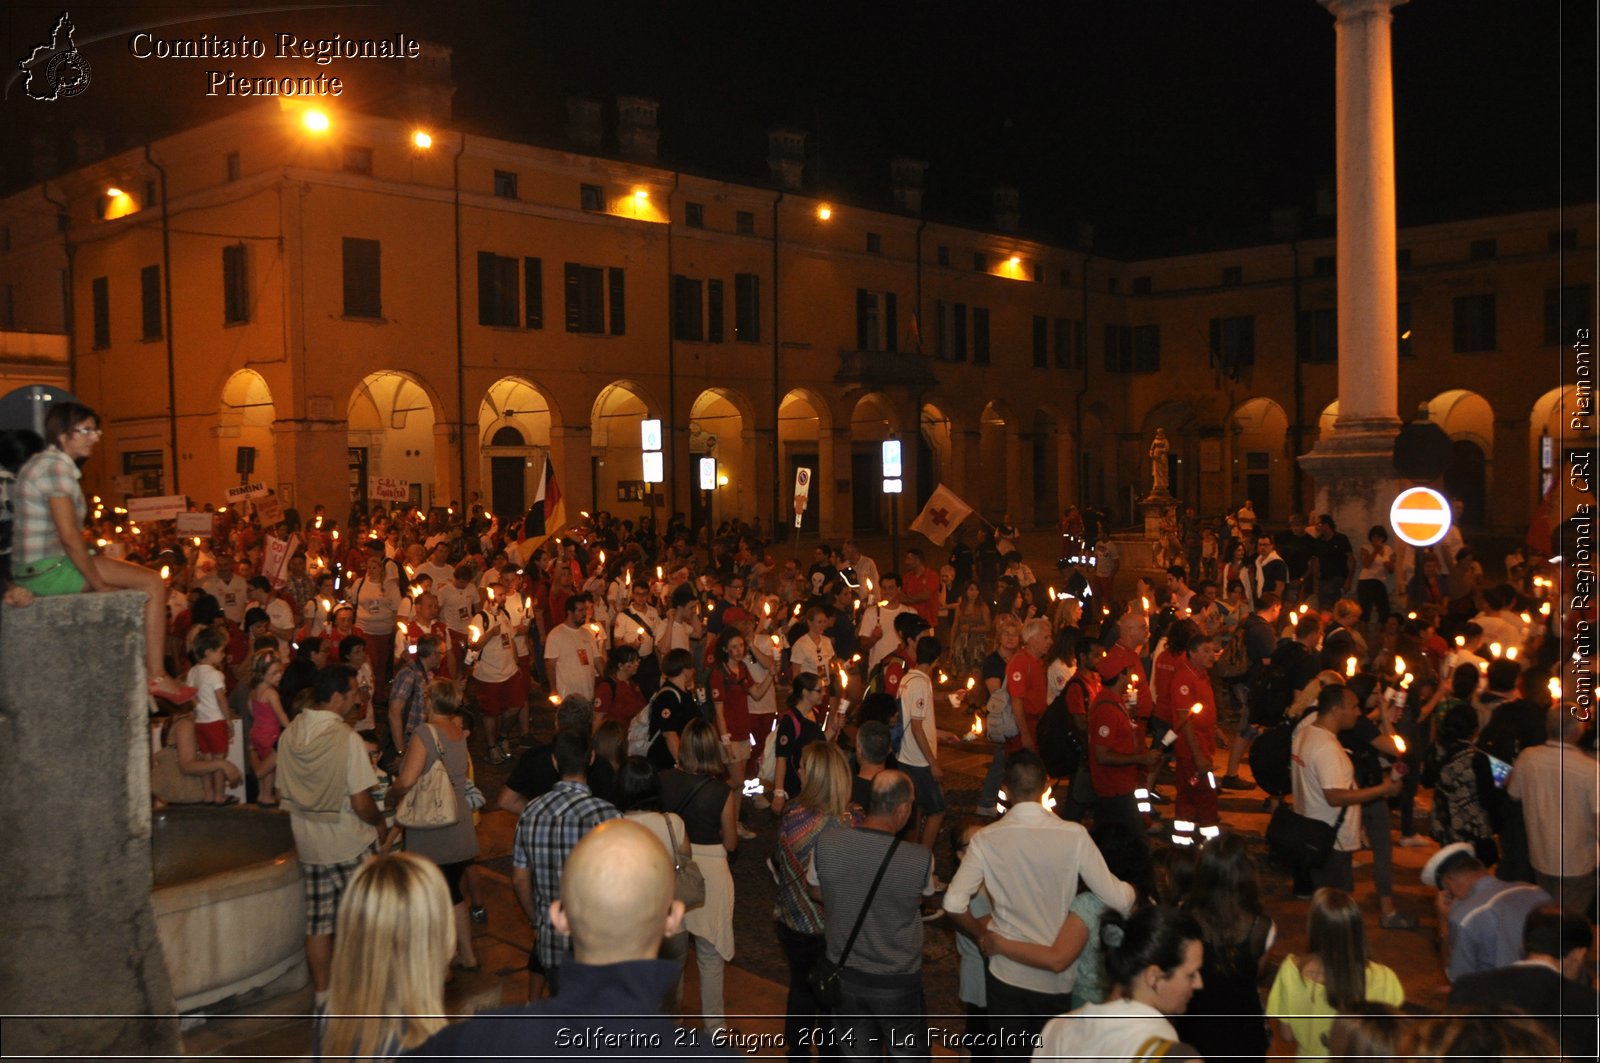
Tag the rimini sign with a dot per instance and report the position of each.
(1420, 516)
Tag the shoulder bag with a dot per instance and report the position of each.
(824, 974)
(689, 882)
(1301, 841)
(432, 802)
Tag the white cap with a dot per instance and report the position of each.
(1436, 862)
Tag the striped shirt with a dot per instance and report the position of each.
(48, 474)
(550, 828)
(1486, 925)
(797, 840)
(843, 864)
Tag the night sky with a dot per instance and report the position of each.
(1165, 124)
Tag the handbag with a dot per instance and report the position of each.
(689, 882)
(1301, 841)
(1000, 722)
(432, 802)
(823, 978)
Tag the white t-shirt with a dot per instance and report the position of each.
(1056, 677)
(213, 691)
(1118, 1029)
(233, 596)
(280, 614)
(497, 653)
(440, 574)
(916, 710)
(766, 704)
(1320, 763)
(456, 605)
(813, 657)
(574, 653)
(627, 631)
(871, 616)
(323, 842)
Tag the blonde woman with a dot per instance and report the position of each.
(394, 939)
(822, 805)
(697, 790)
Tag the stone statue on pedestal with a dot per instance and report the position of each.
(1160, 484)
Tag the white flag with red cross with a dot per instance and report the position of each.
(942, 515)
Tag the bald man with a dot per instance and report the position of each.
(616, 903)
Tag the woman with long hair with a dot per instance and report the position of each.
(393, 938)
(443, 737)
(639, 798)
(823, 804)
(49, 555)
(616, 695)
(971, 628)
(1334, 974)
(732, 689)
(1462, 781)
(1224, 898)
(697, 790)
(1153, 959)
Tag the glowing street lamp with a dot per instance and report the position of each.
(316, 121)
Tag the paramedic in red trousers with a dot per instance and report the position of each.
(1025, 682)
(1133, 635)
(1117, 755)
(1196, 742)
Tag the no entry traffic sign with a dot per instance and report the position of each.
(1420, 516)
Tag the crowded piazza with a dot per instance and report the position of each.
(472, 594)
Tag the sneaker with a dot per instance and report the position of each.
(1233, 782)
(932, 915)
(495, 756)
(1414, 841)
(479, 913)
(746, 833)
(1397, 921)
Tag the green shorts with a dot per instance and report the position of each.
(50, 576)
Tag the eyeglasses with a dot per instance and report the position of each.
(85, 430)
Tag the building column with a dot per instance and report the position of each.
(571, 456)
(447, 486)
(1019, 476)
(964, 444)
(835, 518)
(1353, 467)
(314, 458)
(1508, 470)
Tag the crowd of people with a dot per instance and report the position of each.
(707, 693)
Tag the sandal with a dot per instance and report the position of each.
(177, 693)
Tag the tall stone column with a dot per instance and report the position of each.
(1353, 467)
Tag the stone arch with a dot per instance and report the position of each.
(1260, 467)
(997, 432)
(1468, 419)
(616, 464)
(1550, 423)
(722, 427)
(935, 441)
(1328, 418)
(245, 418)
(514, 422)
(1182, 426)
(1096, 457)
(1050, 462)
(393, 418)
(873, 419)
(805, 440)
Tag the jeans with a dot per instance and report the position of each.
(882, 1015)
(989, 792)
(711, 964)
(1018, 1015)
(1121, 808)
(802, 1012)
(1375, 819)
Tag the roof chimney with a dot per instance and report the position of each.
(430, 89)
(583, 123)
(637, 135)
(786, 155)
(906, 179)
(1007, 210)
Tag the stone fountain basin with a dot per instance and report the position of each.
(227, 898)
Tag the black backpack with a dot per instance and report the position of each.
(1270, 756)
(1272, 691)
(1060, 745)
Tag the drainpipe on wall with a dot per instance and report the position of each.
(166, 286)
(461, 342)
(672, 369)
(777, 392)
(1297, 431)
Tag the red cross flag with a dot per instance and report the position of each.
(942, 515)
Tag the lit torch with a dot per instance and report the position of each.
(1350, 667)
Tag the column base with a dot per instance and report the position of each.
(1355, 477)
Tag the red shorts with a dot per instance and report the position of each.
(212, 737)
(496, 699)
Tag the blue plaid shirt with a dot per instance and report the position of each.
(410, 684)
(549, 829)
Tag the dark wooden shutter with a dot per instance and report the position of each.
(891, 328)
(959, 333)
(533, 292)
(572, 282)
(488, 308)
(101, 294)
(714, 311)
(862, 297)
(619, 314)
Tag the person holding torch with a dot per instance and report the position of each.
(1194, 720)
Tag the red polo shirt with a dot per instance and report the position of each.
(1110, 726)
(1123, 658)
(1161, 669)
(1025, 682)
(1190, 685)
(925, 582)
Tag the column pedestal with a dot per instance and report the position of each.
(1354, 478)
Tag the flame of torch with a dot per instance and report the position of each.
(1400, 744)
(1554, 686)
(1495, 648)
(1350, 667)
(166, 572)
(1399, 666)
(474, 632)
